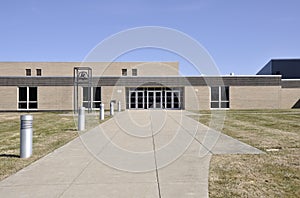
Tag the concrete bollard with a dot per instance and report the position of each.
(111, 108)
(26, 136)
(81, 119)
(101, 111)
(119, 106)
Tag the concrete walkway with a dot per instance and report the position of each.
(135, 154)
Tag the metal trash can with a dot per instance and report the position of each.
(26, 136)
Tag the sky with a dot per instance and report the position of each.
(240, 35)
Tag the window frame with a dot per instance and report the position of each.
(93, 101)
(220, 100)
(28, 102)
(124, 72)
(134, 72)
(38, 72)
(28, 72)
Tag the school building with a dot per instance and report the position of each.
(65, 86)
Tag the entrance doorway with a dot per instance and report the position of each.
(154, 100)
(172, 99)
(136, 100)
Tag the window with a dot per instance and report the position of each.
(124, 72)
(28, 98)
(134, 72)
(219, 97)
(28, 72)
(38, 72)
(91, 98)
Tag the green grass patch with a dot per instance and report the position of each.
(273, 174)
(50, 131)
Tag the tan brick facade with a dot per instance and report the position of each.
(56, 91)
(9, 97)
(58, 98)
(255, 97)
(98, 68)
(197, 97)
(289, 97)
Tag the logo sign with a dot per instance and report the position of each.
(83, 75)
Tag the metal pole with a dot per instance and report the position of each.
(111, 108)
(81, 119)
(101, 111)
(119, 106)
(26, 136)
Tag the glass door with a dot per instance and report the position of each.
(172, 99)
(136, 99)
(154, 99)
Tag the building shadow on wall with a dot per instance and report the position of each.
(296, 105)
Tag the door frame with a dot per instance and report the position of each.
(172, 98)
(136, 99)
(154, 99)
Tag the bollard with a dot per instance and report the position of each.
(119, 106)
(101, 111)
(26, 136)
(111, 108)
(81, 119)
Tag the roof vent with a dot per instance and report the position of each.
(231, 74)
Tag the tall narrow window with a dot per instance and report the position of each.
(134, 72)
(219, 97)
(124, 72)
(86, 97)
(28, 98)
(91, 97)
(28, 72)
(38, 72)
(96, 97)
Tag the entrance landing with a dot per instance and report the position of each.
(143, 153)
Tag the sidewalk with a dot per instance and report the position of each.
(151, 153)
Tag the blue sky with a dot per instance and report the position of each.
(240, 35)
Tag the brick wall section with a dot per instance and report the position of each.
(289, 96)
(197, 97)
(55, 98)
(255, 97)
(9, 97)
(98, 68)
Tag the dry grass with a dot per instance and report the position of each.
(274, 174)
(50, 131)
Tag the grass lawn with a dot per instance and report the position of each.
(50, 131)
(273, 174)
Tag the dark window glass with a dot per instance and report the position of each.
(28, 72)
(85, 104)
(86, 94)
(124, 72)
(33, 105)
(224, 104)
(214, 105)
(38, 72)
(32, 93)
(22, 105)
(214, 93)
(96, 105)
(134, 72)
(97, 93)
(225, 93)
(22, 93)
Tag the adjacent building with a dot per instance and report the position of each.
(65, 86)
